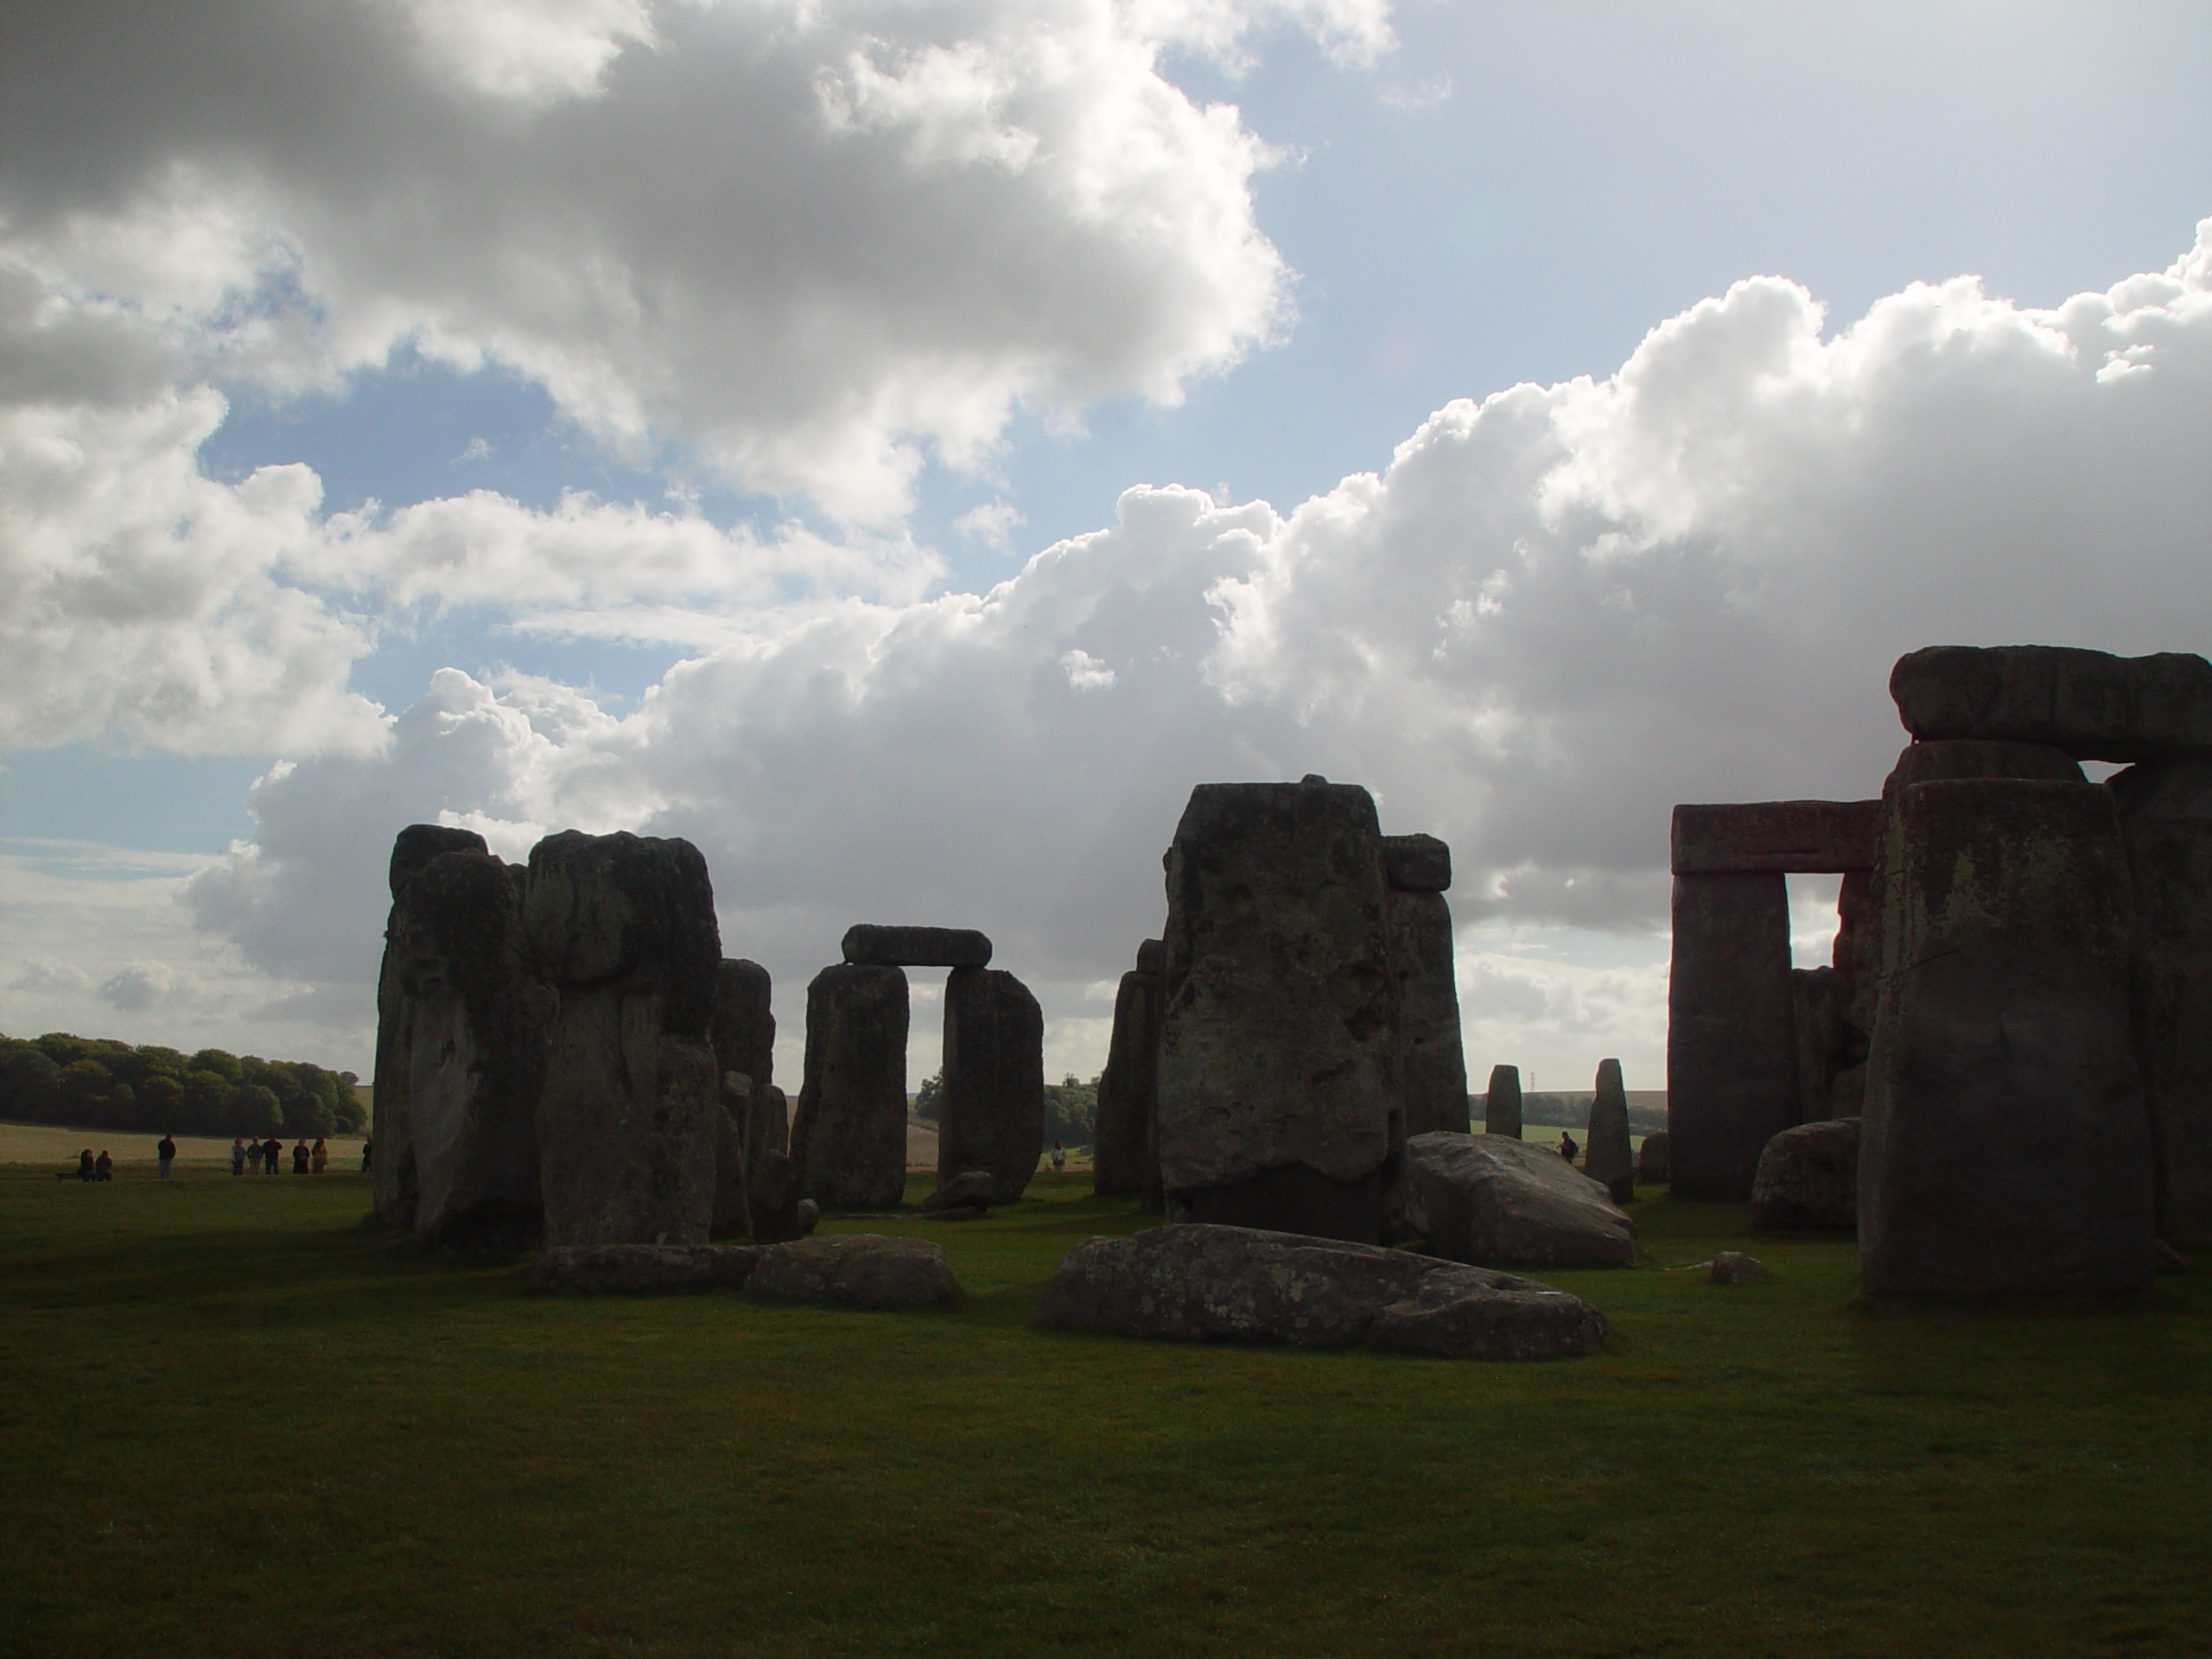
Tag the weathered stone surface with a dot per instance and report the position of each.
(849, 1139)
(1152, 957)
(631, 911)
(1608, 1159)
(465, 1056)
(2005, 1144)
(629, 1118)
(1809, 1180)
(773, 1197)
(1129, 1090)
(994, 1103)
(1484, 1197)
(1431, 1066)
(1734, 1268)
(2095, 706)
(768, 1133)
(1819, 1006)
(2166, 821)
(631, 1269)
(1802, 837)
(732, 1213)
(1653, 1167)
(1279, 1089)
(1502, 1103)
(973, 1190)
(392, 1182)
(1732, 1071)
(743, 1026)
(876, 947)
(1199, 1283)
(1416, 863)
(1954, 758)
(856, 1270)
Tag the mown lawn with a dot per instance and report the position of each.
(233, 1421)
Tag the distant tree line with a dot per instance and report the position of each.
(1572, 1112)
(96, 1084)
(1070, 1108)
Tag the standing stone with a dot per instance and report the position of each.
(1280, 1105)
(994, 1103)
(629, 1120)
(2165, 816)
(744, 1026)
(1820, 1007)
(768, 1134)
(1653, 1167)
(1129, 1088)
(2005, 1145)
(1502, 1104)
(475, 1056)
(1431, 1066)
(1856, 957)
(849, 1139)
(733, 1206)
(393, 1181)
(2092, 705)
(1732, 1071)
(1609, 1161)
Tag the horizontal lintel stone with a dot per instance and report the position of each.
(1796, 837)
(874, 946)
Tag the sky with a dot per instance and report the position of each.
(904, 446)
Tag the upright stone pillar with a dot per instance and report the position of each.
(994, 1116)
(744, 1034)
(849, 1139)
(629, 1119)
(1431, 1066)
(1731, 1073)
(1129, 1088)
(1280, 1105)
(1609, 1158)
(1502, 1103)
(2006, 1143)
(1734, 1075)
(479, 1026)
(2166, 818)
(392, 1178)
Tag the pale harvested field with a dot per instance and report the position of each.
(41, 1143)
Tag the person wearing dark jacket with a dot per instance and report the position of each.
(165, 1150)
(103, 1167)
(1567, 1149)
(272, 1153)
(299, 1158)
(84, 1170)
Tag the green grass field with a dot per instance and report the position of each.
(233, 1420)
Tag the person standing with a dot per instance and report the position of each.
(322, 1154)
(253, 1154)
(1060, 1158)
(299, 1158)
(165, 1150)
(272, 1153)
(368, 1156)
(238, 1153)
(1567, 1149)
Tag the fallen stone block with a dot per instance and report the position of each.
(1734, 1268)
(856, 1270)
(1651, 1162)
(1489, 1198)
(970, 1192)
(634, 1269)
(1193, 1283)
(1809, 1180)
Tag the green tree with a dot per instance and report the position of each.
(254, 1111)
(929, 1099)
(161, 1106)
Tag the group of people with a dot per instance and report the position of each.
(268, 1156)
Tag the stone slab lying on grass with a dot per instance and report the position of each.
(1809, 1178)
(856, 1270)
(631, 1269)
(968, 1192)
(1197, 1282)
(1734, 1268)
(1488, 1197)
